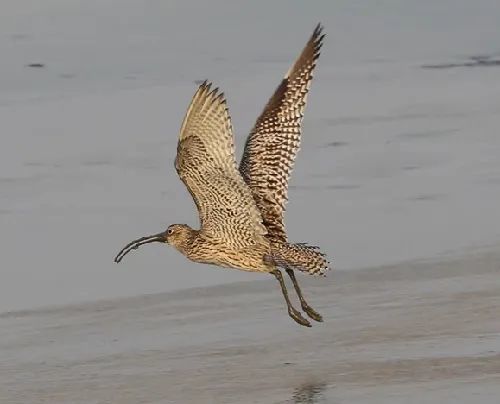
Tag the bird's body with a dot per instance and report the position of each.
(241, 208)
(203, 248)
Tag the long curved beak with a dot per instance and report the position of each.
(134, 245)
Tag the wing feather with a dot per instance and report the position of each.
(205, 163)
(274, 142)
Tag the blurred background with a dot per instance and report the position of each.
(400, 153)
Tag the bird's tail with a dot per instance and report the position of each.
(300, 256)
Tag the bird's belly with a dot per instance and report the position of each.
(249, 259)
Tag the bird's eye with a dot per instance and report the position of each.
(169, 231)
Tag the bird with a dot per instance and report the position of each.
(241, 208)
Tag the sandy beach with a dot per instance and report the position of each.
(415, 332)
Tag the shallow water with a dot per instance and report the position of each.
(416, 332)
(398, 161)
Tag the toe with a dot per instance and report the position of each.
(314, 315)
(299, 318)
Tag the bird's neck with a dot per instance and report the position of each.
(185, 245)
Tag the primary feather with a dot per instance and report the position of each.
(274, 141)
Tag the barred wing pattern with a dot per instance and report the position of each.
(205, 163)
(272, 145)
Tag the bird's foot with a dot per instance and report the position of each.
(312, 313)
(297, 316)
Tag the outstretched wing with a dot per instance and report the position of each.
(274, 141)
(205, 163)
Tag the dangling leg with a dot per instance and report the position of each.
(308, 309)
(294, 313)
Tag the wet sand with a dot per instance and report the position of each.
(426, 331)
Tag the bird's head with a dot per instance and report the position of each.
(176, 235)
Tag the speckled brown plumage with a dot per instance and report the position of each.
(274, 141)
(241, 210)
(205, 163)
(270, 152)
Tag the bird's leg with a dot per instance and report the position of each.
(294, 313)
(308, 309)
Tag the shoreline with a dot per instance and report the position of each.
(253, 284)
(421, 329)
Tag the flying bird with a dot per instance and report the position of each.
(241, 209)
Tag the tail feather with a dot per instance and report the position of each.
(301, 257)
